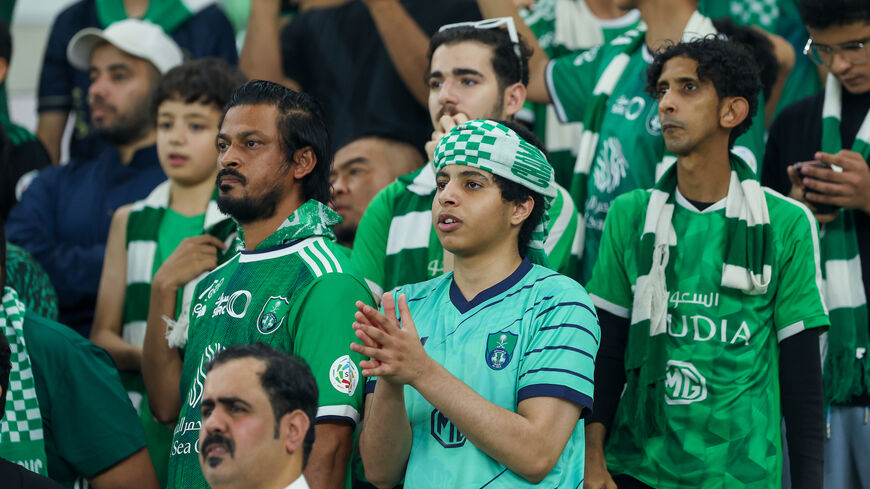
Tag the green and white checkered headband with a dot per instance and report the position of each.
(495, 148)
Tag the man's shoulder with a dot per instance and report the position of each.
(420, 291)
(77, 16)
(789, 218)
(408, 192)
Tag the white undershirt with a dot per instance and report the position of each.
(299, 483)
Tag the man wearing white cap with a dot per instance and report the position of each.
(63, 218)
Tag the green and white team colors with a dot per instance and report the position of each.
(296, 292)
(533, 334)
(396, 243)
(622, 148)
(718, 390)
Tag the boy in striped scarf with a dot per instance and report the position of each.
(829, 136)
(703, 283)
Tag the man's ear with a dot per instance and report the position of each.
(522, 211)
(733, 111)
(294, 426)
(304, 161)
(4, 69)
(514, 98)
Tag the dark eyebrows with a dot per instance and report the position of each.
(241, 135)
(352, 161)
(456, 72)
(226, 401)
(464, 173)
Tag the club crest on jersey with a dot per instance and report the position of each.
(272, 316)
(344, 375)
(500, 349)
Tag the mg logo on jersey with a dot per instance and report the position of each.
(500, 349)
(684, 384)
(446, 432)
(272, 316)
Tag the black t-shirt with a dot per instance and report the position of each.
(336, 55)
(795, 136)
(15, 476)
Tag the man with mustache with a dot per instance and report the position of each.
(258, 409)
(64, 216)
(290, 286)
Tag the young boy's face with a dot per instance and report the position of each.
(186, 141)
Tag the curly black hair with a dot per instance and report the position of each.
(821, 14)
(205, 81)
(758, 44)
(508, 68)
(728, 65)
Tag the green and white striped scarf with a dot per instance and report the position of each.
(746, 267)
(846, 368)
(168, 14)
(22, 438)
(143, 226)
(497, 149)
(596, 110)
(312, 218)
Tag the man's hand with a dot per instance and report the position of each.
(397, 356)
(797, 193)
(444, 125)
(849, 188)
(596, 475)
(192, 257)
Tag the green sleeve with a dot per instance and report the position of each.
(798, 303)
(610, 285)
(370, 245)
(90, 424)
(561, 231)
(571, 80)
(324, 333)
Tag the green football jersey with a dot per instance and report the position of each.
(630, 145)
(577, 29)
(396, 243)
(298, 297)
(533, 334)
(721, 403)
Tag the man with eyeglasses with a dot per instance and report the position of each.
(476, 70)
(817, 153)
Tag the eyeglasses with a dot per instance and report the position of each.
(495, 24)
(854, 52)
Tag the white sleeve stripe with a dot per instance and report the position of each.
(323, 261)
(554, 97)
(789, 331)
(338, 412)
(329, 254)
(310, 262)
(376, 289)
(610, 307)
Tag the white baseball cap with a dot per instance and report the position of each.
(133, 36)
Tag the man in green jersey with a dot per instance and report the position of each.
(290, 287)
(475, 71)
(489, 377)
(65, 414)
(621, 148)
(708, 291)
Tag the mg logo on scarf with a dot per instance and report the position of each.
(445, 432)
(684, 384)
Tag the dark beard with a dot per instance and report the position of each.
(344, 234)
(126, 130)
(249, 209)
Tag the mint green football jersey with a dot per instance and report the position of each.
(630, 143)
(298, 297)
(721, 402)
(396, 243)
(533, 334)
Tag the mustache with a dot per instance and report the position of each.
(97, 100)
(229, 171)
(217, 438)
(447, 109)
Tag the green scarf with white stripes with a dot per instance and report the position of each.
(497, 149)
(846, 370)
(168, 14)
(746, 267)
(22, 439)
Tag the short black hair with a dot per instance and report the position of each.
(821, 14)
(301, 123)
(5, 42)
(728, 65)
(508, 69)
(205, 81)
(516, 193)
(287, 380)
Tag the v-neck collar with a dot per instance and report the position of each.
(463, 305)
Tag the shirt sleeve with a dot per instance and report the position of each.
(89, 421)
(211, 34)
(370, 244)
(57, 76)
(610, 285)
(560, 358)
(570, 82)
(324, 333)
(798, 304)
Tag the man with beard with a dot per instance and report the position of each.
(63, 218)
(290, 286)
(258, 406)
